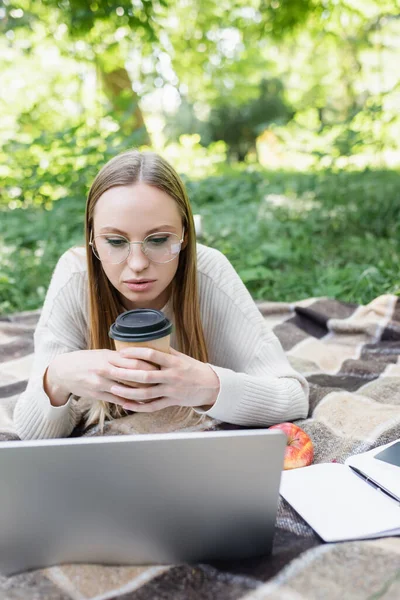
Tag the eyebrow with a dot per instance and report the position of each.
(116, 230)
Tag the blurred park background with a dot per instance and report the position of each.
(281, 115)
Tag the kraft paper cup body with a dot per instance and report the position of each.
(162, 343)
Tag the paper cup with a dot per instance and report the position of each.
(146, 328)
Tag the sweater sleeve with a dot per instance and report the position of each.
(61, 329)
(258, 386)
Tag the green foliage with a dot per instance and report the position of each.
(238, 125)
(32, 240)
(284, 16)
(293, 235)
(337, 59)
(81, 16)
(59, 165)
(185, 122)
(289, 235)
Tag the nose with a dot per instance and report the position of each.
(137, 260)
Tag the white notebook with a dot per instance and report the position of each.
(340, 504)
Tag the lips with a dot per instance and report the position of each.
(139, 281)
(140, 285)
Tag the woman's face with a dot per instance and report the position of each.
(135, 211)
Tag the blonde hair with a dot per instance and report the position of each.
(104, 303)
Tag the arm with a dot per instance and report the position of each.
(257, 384)
(46, 409)
(36, 415)
(57, 393)
(259, 396)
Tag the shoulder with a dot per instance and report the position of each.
(70, 267)
(64, 311)
(69, 277)
(73, 261)
(222, 294)
(214, 266)
(224, 298)
(209, 259)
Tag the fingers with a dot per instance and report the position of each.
(133, 376)
(106, 397)
(149, 355)
(131, 363)
(122, 370)
(176, 353)
(149, 407)
(158, 403)
(140, 406)
(140, 394)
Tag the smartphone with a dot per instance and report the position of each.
(390, 455)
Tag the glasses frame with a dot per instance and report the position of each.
(93, 239)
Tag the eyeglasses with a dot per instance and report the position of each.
(160, 247)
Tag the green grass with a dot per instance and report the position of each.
(289, 235)
(293, 235)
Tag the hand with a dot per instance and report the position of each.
(88, 373)
(181, 381)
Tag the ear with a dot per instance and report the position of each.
(185, 241)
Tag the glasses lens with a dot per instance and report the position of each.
(162, 247)
(111, 248)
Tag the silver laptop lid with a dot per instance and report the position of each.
(141, 499)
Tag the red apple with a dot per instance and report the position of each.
(299, 450)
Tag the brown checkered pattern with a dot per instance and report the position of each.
(351, 357)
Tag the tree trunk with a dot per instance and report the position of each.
(125, 102)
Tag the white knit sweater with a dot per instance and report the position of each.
(257, 384)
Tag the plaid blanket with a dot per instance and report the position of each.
(351, 357)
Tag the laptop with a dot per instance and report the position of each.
(139, 499)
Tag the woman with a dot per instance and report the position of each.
(229, 365)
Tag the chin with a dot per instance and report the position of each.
(141, 300)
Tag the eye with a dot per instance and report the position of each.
(158, 240)
(116, 242)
